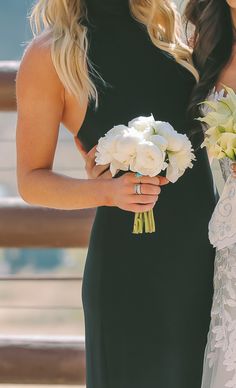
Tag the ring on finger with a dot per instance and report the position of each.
(139, 176)
(137, 189)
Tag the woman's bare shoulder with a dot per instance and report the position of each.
(38, 84)
(37, 65)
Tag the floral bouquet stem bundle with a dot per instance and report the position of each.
(148, 148)
(144, 220)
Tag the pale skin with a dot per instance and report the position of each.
(43, 103)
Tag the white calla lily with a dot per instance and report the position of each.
(221, 120)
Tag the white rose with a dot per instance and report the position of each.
(104, 151)
(116, 166)
(142, 123)
(149, 160)
(117, 130)
(107, 145)
(159, 141)
(174, 139)
(180, 161)
(126, 145)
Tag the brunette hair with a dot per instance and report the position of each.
(212, 45)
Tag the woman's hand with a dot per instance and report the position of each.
(233, 168)
(93, 171)
(123, 192)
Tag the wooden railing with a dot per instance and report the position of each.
(42, 360)
(39, 360)
(22, 225)
(8, 70)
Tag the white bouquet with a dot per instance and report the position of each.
(146, 147)
(221, 121)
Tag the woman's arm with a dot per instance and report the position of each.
(42, 106)
(41, 103)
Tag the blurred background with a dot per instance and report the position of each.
(35, 307)
(37, 296)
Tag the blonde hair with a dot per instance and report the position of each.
(61, 20)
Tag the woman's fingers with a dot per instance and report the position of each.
(123, 193)
(95, 171)
(99, 171)
(106, 174)
(163, 181)
(140, 208)
(157, 180)
(80, 147)
(92, 152)
(143, 199)
(92, 169)
(90, 158)
(150, 189)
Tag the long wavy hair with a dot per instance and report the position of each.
(62, 23)
(212, 45)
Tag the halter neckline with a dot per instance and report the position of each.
(107, 8)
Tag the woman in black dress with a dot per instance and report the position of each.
(146, 298)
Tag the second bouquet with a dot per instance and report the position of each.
(146, 147)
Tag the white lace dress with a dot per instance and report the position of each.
(219, 369)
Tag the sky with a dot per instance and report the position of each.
(14, 29)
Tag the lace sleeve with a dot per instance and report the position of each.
(222, 227)
(225, 168)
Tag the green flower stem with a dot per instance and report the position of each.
(144, 222)
(137, 224)
(150, 219)
(135, 229)
(153, 224)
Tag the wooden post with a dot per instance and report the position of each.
(42, 360)
(8, 70)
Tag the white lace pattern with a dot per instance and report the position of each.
(222, 227)
(219, 369)
(220, 356)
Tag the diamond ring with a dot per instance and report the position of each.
(137, 189)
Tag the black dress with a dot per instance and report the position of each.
(146, 298)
